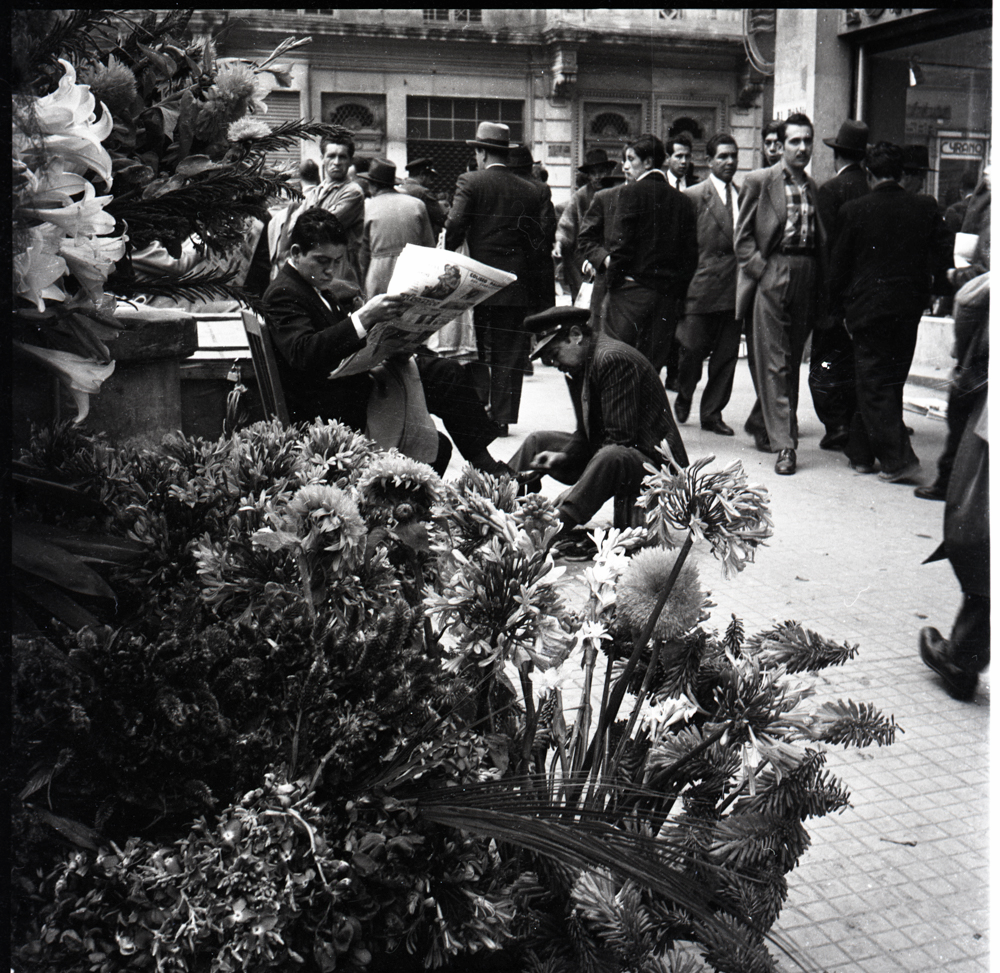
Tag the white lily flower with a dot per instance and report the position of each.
(91, 259)
(36, 271)
(85, 217)
(82, 376)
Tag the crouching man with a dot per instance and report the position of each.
(622, 416)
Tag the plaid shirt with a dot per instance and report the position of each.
(800, 219)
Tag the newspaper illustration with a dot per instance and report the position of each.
(440, 285)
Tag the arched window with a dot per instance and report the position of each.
(688, 125)
(352, 116)
(609, 125)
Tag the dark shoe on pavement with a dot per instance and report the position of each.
(905, 475)
(935, 651)
(719, 427)
(682, 409)
(835, 439)
(933, 491)
(785, 463)
(503, 430)
(573, 545)
(862, 468)
(760, 439)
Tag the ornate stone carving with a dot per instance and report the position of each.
(563, 70)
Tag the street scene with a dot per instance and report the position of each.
(501, 490)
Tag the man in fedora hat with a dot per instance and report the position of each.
(505, 222)
(622, 417)
(596, 166)
(392, 220)
(421, 173)
(831, 364)
(543, 270)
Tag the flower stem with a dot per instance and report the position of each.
(618, 693)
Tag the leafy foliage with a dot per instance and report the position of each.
(298, 740)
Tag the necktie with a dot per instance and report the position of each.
(729, 205)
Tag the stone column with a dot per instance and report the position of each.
(813, 74)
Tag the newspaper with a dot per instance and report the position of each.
(439, 285)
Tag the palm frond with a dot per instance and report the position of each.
(287, 134)
(40, 37)
(194, 286)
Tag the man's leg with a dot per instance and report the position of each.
(611, 470)
(782, 319)
(450, 394)
(831, 382)
(884, 352)
(725, 353)
(629, 308)
(695, 342)
(546, 440)
(503, 345)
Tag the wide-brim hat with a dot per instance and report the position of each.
(491, 135)
(594, 160)
(552, 323)
(916, 157)
(519, 157)
(382, 172)
(421, 165)
(852, 137)
(615, 176)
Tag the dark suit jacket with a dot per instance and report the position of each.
(598, 223)
(889, 245)
(311, 340)
(654, 240)
(760, 228)
(713, 287)
(850, 183)
(508, 223)
(620, 400)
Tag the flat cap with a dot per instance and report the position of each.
(551, 323)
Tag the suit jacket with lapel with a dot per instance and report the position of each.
(596, 227)
(507, 224)
(713, 287)
(760, 228)
(654, 240)
(311, 340)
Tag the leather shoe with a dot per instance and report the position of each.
(835, 439)
(785, 463)
(761, 442)
(904, 475)
(933, 491)
(935, 651)
(865, 468)
(502, 430)
(682, 409)
(718, 426)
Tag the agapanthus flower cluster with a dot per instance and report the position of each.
(720, 508)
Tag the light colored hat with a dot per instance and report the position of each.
(491, 135)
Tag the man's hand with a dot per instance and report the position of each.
(587, 269)
(547, 459)
(382, 307)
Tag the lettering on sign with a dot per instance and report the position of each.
(963, 148)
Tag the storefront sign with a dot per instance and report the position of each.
(958, 148)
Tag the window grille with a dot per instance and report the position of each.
(456, 119)
(352, 116)
(455, 16)
(609, 125)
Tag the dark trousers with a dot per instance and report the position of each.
(783, 314)
(970, 634)
(594, 478)
(504, 346)
(755, 421)
(644, 319)
(715, 336)
(451, 394)
(831, 376)
(883, 352)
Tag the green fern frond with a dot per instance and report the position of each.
(731, 954)
(798, 649)
(855, 725)
(196, 285)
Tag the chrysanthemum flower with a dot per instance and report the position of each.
(642, 583)
(248, 129)
(112, 83)
(331, 513)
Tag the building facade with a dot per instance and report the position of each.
(916, 76)
(416, 82)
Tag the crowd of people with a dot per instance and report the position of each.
(664, 274)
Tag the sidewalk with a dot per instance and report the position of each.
(899, 881)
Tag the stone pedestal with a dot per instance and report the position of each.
(141, 401)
